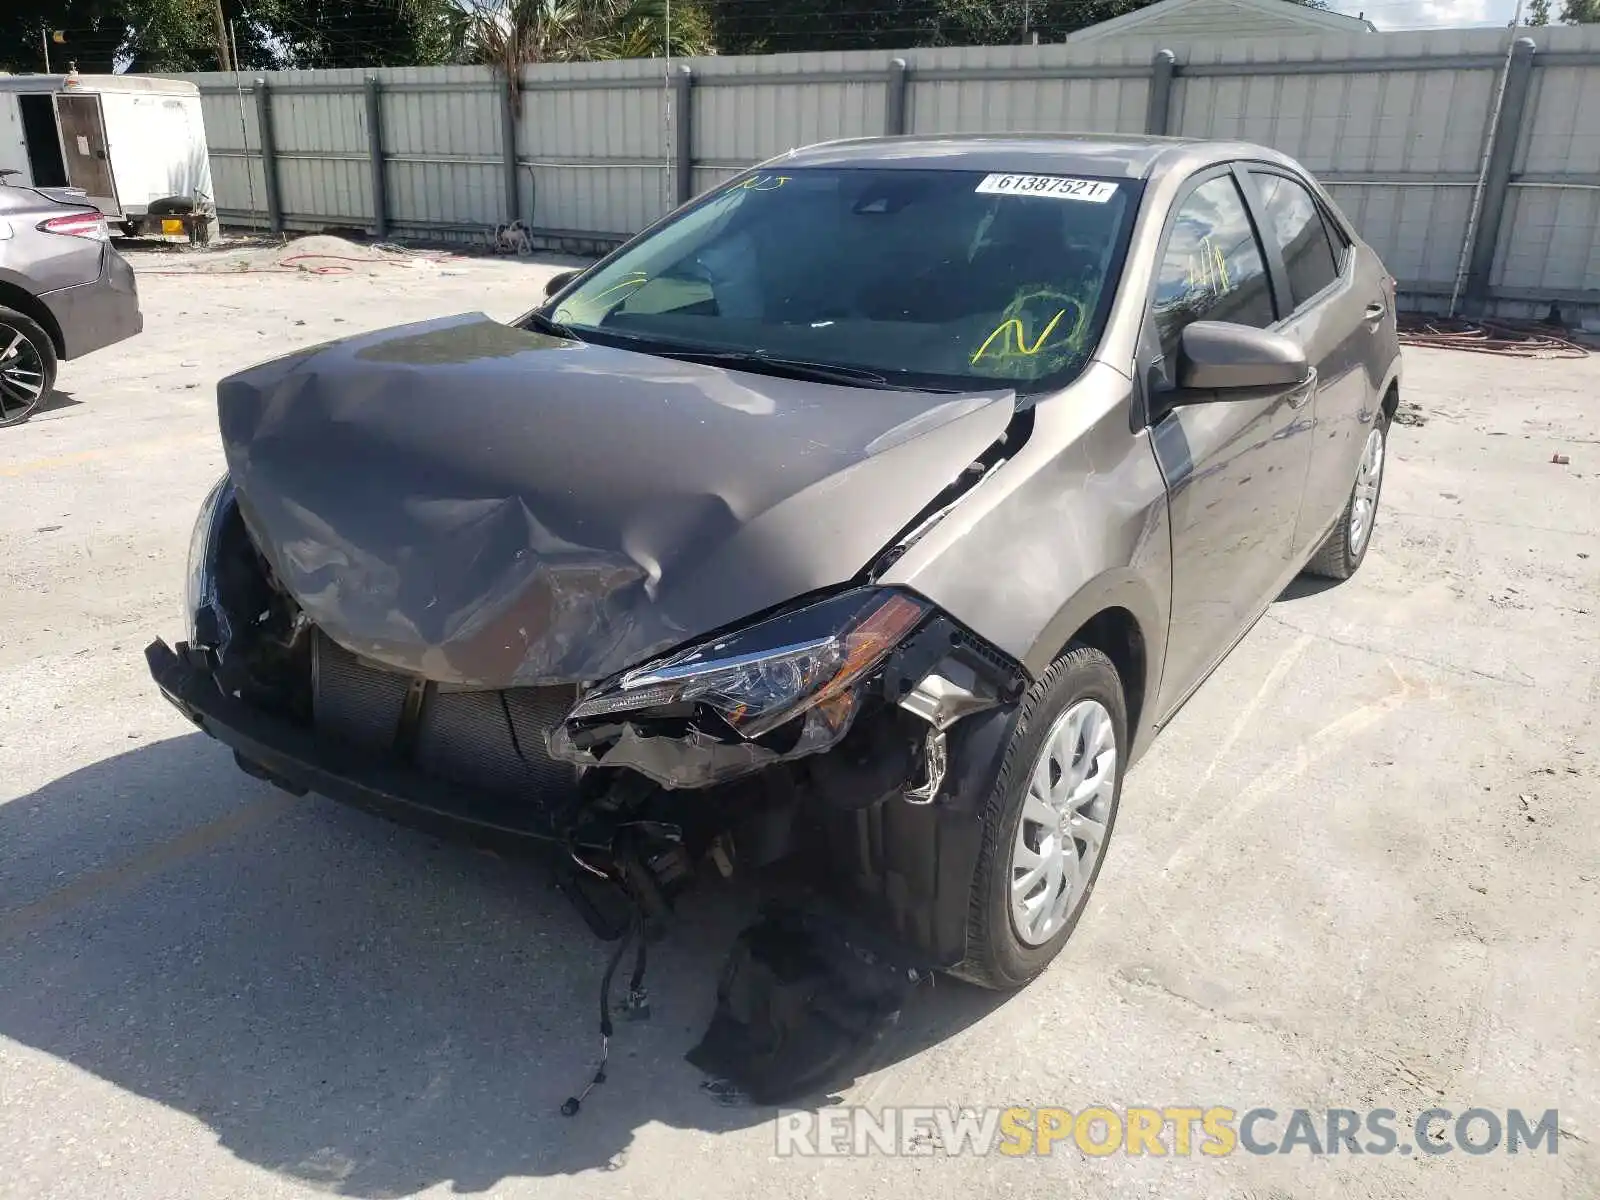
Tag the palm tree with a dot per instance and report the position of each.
(511, 33)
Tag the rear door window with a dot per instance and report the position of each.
(1294, 221)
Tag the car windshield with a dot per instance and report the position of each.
(959, 280)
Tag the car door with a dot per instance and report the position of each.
(1234, 468)
(1337, 318)
(86, 152)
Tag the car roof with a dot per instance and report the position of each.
(1117, 156)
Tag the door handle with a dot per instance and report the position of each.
(1376, 312)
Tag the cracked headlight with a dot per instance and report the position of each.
(200, 586)
(759, 677)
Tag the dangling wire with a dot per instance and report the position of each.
(635, 1002)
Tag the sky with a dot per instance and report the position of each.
(1431, 14)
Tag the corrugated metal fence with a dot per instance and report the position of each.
(1403, 127)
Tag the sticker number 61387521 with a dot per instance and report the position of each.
(1056, 187)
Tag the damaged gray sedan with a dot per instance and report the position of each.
(855, 527)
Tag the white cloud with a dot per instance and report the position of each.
(1432, 14)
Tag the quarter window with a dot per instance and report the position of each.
(1213, 268)
(1295, 222)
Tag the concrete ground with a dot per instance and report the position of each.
(1360, 869)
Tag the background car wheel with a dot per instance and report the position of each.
(1048, 821)
(27, 367)
(1340, 555)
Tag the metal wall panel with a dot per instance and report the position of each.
(336, 189)
(593, 158)
(445, 193)
(597, 199)
(442, 151)
(238, 181)
(234, 141)
(1417, 231)
(1562, 132)
(224, 112)
(317, 121)
(752, 120)
(1366, 127)
(1549, 241)
(1550, 238)
(1401, 144)
(1034, 105)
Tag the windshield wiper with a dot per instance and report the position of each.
(769, 364)
(551, 326)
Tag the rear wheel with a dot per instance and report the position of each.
(27, 367)
(1048, 821)
(1341, 554)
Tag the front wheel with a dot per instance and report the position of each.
(27, 367)
(1048, 821)
(1342, 552)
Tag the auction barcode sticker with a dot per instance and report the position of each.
(1058, 187)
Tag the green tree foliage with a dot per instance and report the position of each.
(181, 35)
(363, 33)
(97, 33)
(1581, 12)
(509, 33)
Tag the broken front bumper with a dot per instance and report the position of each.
(295, 759)
(904, 869)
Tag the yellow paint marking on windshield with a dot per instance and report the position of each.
(596, 303)
(1019, 344)
(1008, 351)
(637, 279)
(762, 183)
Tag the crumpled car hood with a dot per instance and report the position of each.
(485, 506)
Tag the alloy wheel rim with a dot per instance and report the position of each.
(1364, 503)
(21, 374)
(1062, 833)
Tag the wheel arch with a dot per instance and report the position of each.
(1391, 398)
(18, 298)
(1120, 615)
(1390, 390)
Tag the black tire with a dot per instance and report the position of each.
(30, 352)
(1336, 558)
(996, 957)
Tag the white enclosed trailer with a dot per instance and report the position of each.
(134, 145)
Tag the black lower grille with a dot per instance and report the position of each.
(492, 741)
(352, 700)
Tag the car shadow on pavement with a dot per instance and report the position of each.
(345, 1002)
(56, 404)
(1303, 586)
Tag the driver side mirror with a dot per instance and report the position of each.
(1238, 360)
(558, 281)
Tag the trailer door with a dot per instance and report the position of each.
(83, 140)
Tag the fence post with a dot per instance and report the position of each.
(1497, 175)
(1162, 68)
(894, 98)
(269, 155)
(682, 136)
(510, 102)
(380, 187)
